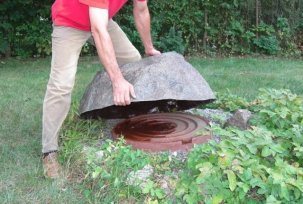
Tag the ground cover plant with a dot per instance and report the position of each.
(260, 165)
(265, 166)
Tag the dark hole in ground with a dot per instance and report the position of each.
(140, 108)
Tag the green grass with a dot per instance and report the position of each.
(244, 77)
(22, 87)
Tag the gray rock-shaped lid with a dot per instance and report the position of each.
(162, 83)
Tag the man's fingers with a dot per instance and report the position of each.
(132, 92)
(152, 52)
(118, 99)
(122, 93)
(126, 98)
(115, 100)
(121, 101)
(157, 52)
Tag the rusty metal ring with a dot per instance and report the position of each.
(163, 131)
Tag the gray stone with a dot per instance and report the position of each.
(109, 125)
(140, 177)
(180, 155)
(166, 184)
(217, 116)
(239, 119)
(162, 83)
(99, 154)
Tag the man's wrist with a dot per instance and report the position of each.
(116, 78)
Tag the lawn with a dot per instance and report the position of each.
(244, 77)
(22, 87)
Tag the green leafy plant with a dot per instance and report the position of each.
(283, 28)
(229, 102)
(267, 44)
(25, 27)
(247, 166)
(153, 190)
(279, 109)
(173, 41)
(282, 112)
(262, 164)
(108, 167)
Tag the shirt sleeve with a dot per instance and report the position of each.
(104, 4)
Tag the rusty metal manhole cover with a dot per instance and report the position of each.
(163, 131)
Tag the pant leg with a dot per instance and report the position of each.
(124, 50)
(66, 47)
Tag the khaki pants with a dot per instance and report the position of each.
(66, 46)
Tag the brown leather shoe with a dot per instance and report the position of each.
(51, 166)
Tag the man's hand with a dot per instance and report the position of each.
(152, 52)
(122, 90)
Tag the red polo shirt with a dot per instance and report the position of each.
(74, 13)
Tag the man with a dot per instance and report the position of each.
(74, 22)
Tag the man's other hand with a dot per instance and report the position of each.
(152, 52)
(122, 92)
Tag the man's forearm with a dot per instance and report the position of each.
(142, 20)
(99, 21)
(106, 53)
